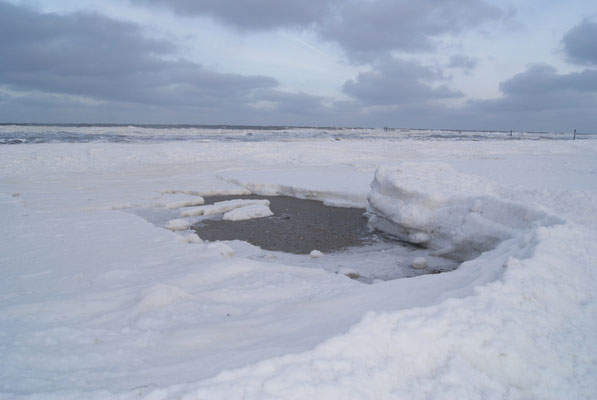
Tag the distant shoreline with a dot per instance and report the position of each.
(277, 127)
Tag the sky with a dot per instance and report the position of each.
(444, 64)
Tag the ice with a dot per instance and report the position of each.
(457, 215)
(248, 212)
(178, 201)
(222, 207)
(191, 238)
(178, 224)
(315, 254)
(339, 187)
(419, 263)
(100, 303)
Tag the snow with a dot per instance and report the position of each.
(97, 302)
(190, 238)
(221, 248)
(160, 295)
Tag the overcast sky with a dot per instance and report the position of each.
(456, 64)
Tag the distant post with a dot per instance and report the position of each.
(574, 137)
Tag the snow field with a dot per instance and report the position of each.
(98, 303)
(451, 350)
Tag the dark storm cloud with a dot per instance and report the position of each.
(398, 82)
(251, 14)
(362, 28)
(580, 43)
(97, 57)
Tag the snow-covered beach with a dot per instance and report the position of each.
(98, 302)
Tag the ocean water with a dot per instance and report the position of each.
(12, 134)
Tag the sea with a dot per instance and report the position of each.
(14, 134)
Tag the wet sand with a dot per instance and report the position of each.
(297, 226)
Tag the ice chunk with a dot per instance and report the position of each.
(178, 201)
(433, 205)
(181, 191)
(419, 238)
(192, 212)
(186, 203)
(178, 224)
(419, 263)
(191, 238)
(337, 186)
(222, 207)
(248, 212)
(315, 254)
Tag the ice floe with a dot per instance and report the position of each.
(248, 212)
(222, 207)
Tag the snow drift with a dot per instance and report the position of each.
(432, 205)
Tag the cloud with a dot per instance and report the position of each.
(252, 14)
(542, 80)
(367, 28)
(86, 67)
(541, 98)
(398, 82)
(93, 56)
(270, 107)
(462, 62)
(537, 99)
(580, 44)
(364, 29)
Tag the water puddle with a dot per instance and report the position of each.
(297, 226)
(308, 234)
